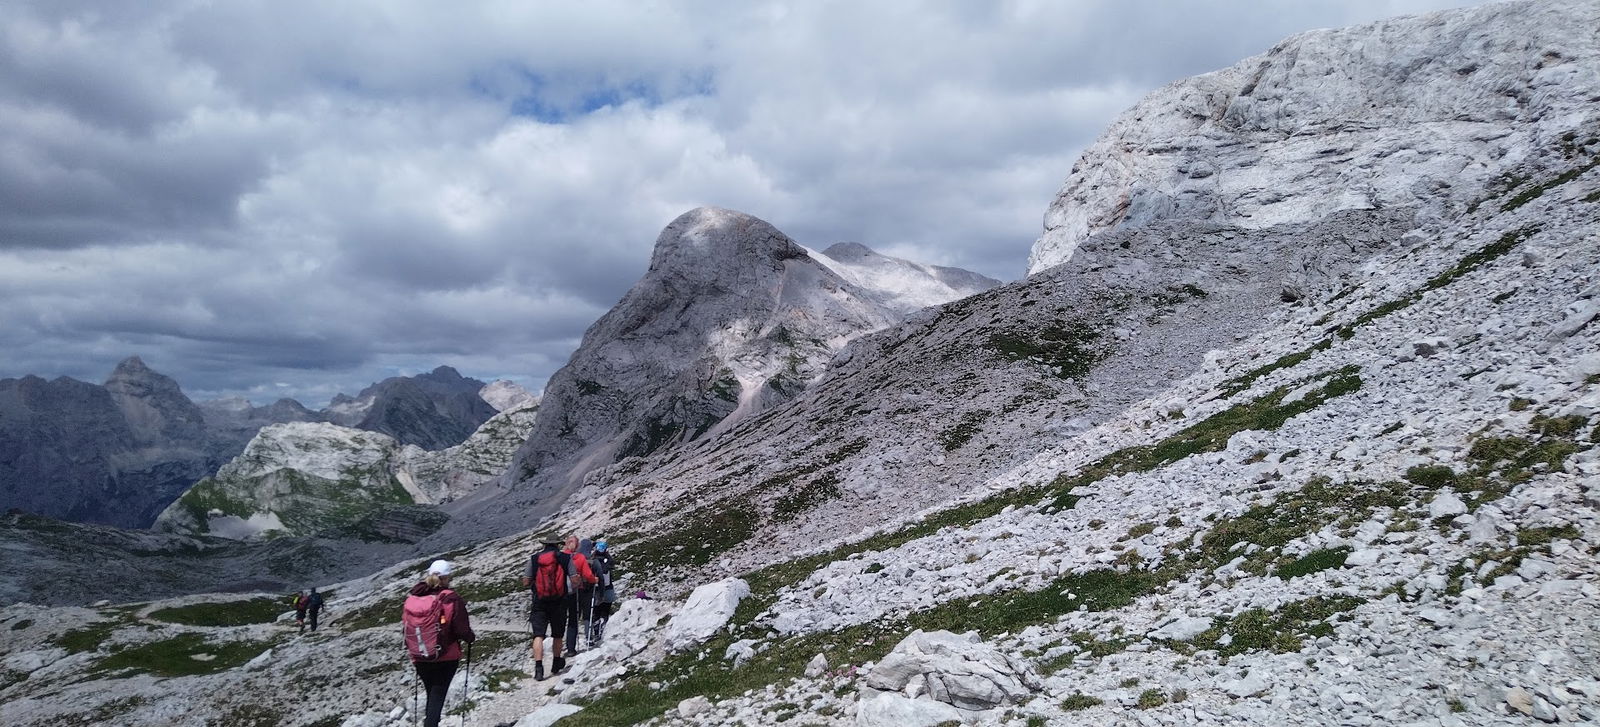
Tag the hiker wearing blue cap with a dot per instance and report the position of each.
(604, 593)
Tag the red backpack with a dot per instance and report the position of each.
(423, 620)
(551, 569)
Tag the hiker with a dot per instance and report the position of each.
(313, 607)
(605, 594)
(436, 623)
(300, 601)
(581, 596)
(548, 577)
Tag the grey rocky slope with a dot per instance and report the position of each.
(311, 478)
(1420, 112)
(1380, 506)
(732, 319)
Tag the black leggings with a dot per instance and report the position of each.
(436, 676)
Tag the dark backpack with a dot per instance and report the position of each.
(315, 603)
(550, 571)
(601, 565)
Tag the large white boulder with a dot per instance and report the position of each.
(708, 609)
(548, 715)
(893, 710)
(957, 669)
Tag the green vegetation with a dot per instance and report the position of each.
(20, 625)
(229, 613)
(1532, 193)
(502, 680)
(1129, 683)
(1431, 476)
(1072, 350)
(1314, 562)
(177, 657)
(1467, 264)
(1080, 701)
(1211, 435)
(1244, 381)
(385, 612)
(820, 489)
(1151, 698)
(957, 436)
(699, 537)
(1282, 631)
(89, 638)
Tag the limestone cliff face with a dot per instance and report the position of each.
(1424, 112)
(309, 478)
(732, 318)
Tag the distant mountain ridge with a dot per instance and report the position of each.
(119, 453)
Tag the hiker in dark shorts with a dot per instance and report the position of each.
(547, 577)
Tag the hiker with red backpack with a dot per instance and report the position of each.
(436, 623)
(551, 578)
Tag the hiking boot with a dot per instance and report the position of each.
(556, 665)
(572, 652)
(538, 671)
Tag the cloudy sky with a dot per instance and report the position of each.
(293, 198)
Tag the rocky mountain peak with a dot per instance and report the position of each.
(131, 366)
(700, 245)
(732, 318)
(443, 375)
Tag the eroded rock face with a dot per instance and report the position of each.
(305, 478)
(1422, 112)
(956, 669)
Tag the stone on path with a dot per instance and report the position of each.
(548, 715)
(893, 710)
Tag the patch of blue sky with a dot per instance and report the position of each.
(561, 100)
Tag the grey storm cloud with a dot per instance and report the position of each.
(297, 198)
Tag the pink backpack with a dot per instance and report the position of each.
(422, 620)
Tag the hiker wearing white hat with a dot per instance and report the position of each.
(436, 623)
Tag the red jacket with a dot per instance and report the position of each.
(457, 626)
(580, 565)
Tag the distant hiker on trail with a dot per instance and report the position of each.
(548, 576)
(603, 566)
(301, 601)
(435, 622)
(314, 607)
(580, 596)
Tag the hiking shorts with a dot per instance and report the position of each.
(548, 617)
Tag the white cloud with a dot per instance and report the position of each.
(318, 195)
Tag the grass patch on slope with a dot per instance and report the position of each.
(177, 657)
(229, 613)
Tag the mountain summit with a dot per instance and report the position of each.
(731, 318)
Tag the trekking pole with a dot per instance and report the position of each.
(466, 687)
